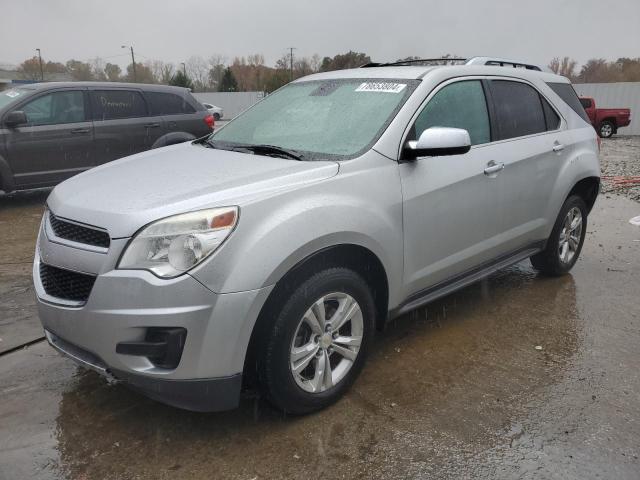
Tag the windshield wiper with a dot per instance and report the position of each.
(270, 150)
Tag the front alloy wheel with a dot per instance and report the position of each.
(326, 342)
(315, 341)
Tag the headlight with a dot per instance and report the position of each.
(171, 246)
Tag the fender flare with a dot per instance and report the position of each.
(6, 176)
(172, 138)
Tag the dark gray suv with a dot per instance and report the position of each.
(52, 131)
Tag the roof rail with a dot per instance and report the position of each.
(501, 62)
(437, 61)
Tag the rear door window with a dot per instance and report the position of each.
(566, 92)
(161, 103)
(458, 105)
(56, 108)
(518, 109)
(115, 104)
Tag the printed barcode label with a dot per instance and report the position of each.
(384, 87)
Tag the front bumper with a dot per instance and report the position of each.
(124, 304)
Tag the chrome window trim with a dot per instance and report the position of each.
(562, 126)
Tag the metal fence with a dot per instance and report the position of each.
(616, 95)
(232, 103)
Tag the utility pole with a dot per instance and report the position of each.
(40, 60)
(291, 49)
(133, 63)
(184, 69)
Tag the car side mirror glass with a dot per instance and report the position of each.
(438, 141)
(15, 118)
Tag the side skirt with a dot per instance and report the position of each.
(464, 279)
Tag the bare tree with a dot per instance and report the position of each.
(565, 67)
(98, 69)
(198, 70)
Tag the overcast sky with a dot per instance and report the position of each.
(528, 30)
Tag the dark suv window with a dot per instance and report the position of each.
(161, 103)
(458, 105)
(112, 104)
(566, 92)
(56, 108)
(518, 109)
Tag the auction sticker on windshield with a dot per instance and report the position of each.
(383, 87)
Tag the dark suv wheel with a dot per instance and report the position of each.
(319, 341)
(565, 242)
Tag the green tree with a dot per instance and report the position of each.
(228, 82)
(181, 80)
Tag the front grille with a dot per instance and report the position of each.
(78, 233)
(65, 284)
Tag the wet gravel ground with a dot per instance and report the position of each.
(455, 390)
(620, 156)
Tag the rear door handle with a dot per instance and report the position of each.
(558, 147)
(151, 125)
(493, 167)
(79, 130)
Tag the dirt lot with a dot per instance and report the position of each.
(456, 390)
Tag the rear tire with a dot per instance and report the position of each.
(606, 129)
(565, 242)
(306, 366)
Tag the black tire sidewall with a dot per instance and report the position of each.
(282, 388)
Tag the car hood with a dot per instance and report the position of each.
(125, 195)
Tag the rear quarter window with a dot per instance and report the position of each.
(161, 103)
(115, 104)
(566, 92)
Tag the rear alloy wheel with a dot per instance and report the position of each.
(319, 340)
(566, 239)
(606, 129)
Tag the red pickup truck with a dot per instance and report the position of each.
(606, 121)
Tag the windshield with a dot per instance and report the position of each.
(10, 96)
(330, 118)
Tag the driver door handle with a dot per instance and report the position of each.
(493, 168)
(558, 147)
(80, 130)
(151, 125)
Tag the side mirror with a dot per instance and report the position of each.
(438, 141)
(15, 118)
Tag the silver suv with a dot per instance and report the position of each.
(269, 252)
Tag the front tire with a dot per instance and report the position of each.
(606, 129)
(565, 242)
(319, 340)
